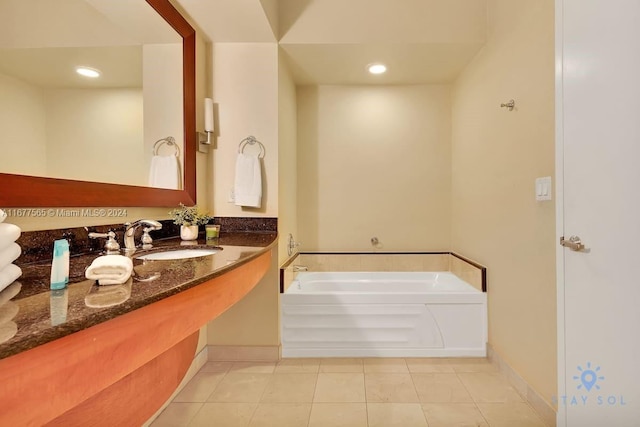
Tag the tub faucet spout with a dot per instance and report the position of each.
(130, 230)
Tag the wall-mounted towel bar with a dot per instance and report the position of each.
(169, 141)
(251, 140)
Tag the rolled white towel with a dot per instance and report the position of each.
(9, 274)
(110, 269)
(8, 331)
(8, 311)
(107, 296)
(9, 233)
(11, 291)
(3, 215)
(9, 254)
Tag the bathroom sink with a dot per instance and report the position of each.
(178, 254)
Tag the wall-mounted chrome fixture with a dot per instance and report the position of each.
(376, 243)
(509, 105)
(204, 139)
(291, 245)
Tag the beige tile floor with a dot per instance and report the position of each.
(351, 393)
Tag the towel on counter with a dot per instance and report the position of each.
(8, 331)
(110, 269)
(248, 184)
(11, 291)
(165, 172)
(8, 311)
(9, 233)
(9, 254)
(8, 275)
(107, 296)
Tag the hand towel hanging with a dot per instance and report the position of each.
(248, 182)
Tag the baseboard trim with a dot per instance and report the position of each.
(258, 353)
(546, 412)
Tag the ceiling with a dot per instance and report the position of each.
(332, 41)
(324, 41)
(42, 41)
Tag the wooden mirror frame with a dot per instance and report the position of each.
(31, 191)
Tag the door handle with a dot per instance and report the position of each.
(574, 243)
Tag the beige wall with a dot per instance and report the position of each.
(254, 320)
(287, 166)
(496, 157)
(245, 87)
(374, 161)
(96, 135)
(248, 86)
(50, 129)
(23, 124)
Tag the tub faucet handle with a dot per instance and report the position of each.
(297, 268)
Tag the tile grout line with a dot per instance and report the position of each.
(475, 403)
(417, 394)
(194, 415)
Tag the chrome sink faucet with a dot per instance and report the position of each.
(130, 230)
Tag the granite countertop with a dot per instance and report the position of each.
(44, 315)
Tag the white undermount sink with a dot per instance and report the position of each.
(178, 254)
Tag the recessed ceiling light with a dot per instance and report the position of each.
(376, 68)
(88, 72)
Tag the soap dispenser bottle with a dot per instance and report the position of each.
(60, 264)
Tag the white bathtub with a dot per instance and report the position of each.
(388, 314)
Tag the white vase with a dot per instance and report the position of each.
(189, 232)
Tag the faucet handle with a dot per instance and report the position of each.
(111, 246)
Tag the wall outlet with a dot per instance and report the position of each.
(232, 196)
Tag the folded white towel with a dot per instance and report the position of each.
(110, 269)
(8, 311)
(248, 184)
(107, 296)
(8, 331)
(11, 291)
(9, 254)
(9, 233)
(9, 274)
(165, 172)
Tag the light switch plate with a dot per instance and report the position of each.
(543, 188)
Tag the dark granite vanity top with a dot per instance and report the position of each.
(45, 315)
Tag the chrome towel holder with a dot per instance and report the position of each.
(251, 140)
(169, 141)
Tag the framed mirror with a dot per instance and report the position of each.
(24, 189)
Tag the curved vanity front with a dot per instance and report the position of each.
(71, 364)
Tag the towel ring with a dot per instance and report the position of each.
(251, 140)
(170, 141)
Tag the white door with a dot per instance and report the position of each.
(598, 171)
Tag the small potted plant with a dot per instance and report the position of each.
(189, 218)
